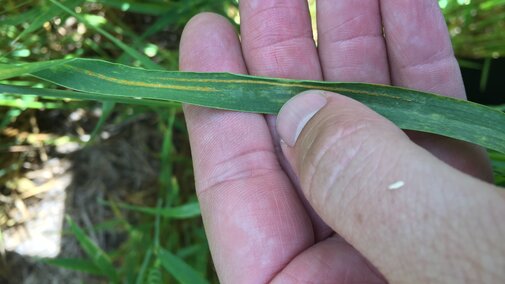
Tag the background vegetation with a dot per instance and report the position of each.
(154, 218)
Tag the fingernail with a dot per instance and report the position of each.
(296, 113)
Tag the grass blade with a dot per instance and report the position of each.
(75, 264)
(14, 20)
(137, 7)
(143, 267)
(99, 258)
(12, 102)
(179, 269)
(62, 94)
(409, 109)
(484, 78)
(167, 159)
(14, 70)
(107, 109)
(46, 14)
(10, 116)
(146, 62)
(154, 276)
(185, 211)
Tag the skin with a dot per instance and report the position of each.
(259, 224)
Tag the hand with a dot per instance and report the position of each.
(440, 224)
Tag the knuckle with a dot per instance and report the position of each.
(340, 154)
(247, 165)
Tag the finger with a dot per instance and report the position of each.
(249, 209)
(419, 47)
(350, 42)
(330, 261)
(411, 215)
(277, 41)
(351, 48)
(421, 57)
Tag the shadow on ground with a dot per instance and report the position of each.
(124, 167)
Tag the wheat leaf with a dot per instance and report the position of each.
(409, 109)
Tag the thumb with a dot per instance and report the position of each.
(414, 217)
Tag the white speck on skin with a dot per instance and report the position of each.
(396, 185)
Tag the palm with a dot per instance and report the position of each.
(258, 227)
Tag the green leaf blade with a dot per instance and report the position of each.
(46, 14)
(8, 71)
(189, 210)
(409, 109)
(179, 269)
(98, 257)
(76, 264)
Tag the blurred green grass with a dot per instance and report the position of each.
(146, 34)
